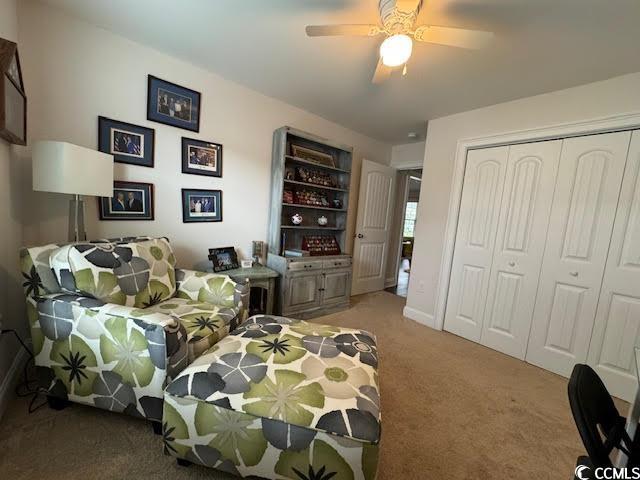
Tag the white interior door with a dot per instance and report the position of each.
(522, 231)
(475, 239)
(584, 205)
(617, 327)
(373, 227)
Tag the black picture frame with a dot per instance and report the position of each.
(142, 192)
(192, 147)
(128, 143)
(223, 259)
(161, 98)
(206, 212)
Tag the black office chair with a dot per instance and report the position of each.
(600, 425)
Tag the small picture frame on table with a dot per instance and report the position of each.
(246, 263)
(172, 104)
(223, 259)
(201, 205)
(130, 201)
(201, 158)
(128, 143)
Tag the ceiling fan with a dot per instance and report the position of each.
(398, 23)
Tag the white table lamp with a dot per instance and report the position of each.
(62, 167)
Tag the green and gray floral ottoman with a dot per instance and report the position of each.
(279, 398)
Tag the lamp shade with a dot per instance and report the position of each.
(62, 167)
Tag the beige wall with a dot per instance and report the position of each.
(76, 72)
(11, 305)
(407, 155)
(600, 99)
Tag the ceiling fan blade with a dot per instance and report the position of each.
(453, 37)
(382, 73)
(333, 30)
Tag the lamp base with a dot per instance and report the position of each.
(76, 220)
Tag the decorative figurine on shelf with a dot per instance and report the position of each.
(337, 203)
(290, 174)
(322, 221)
(296, 219)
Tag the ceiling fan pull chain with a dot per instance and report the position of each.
(404, 70)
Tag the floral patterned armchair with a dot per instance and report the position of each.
(113, 321)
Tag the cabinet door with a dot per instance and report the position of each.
(302, 291)
(336, 287)
(584, 206)
(617, 327)
(522, 229)
(479, 210)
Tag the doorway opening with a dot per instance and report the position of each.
(408, 198)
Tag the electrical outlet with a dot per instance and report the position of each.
(421, 286)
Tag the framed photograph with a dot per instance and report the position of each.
(13, 99)
(201, 205)
(173, 105)
(314, 156)
(246, 263)
(127, 143)
(201, 158)
(223, 259)
(130, 201)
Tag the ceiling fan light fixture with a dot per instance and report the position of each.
(396, 50)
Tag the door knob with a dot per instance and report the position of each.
(512, 264)
(573, 274)
(360, 235)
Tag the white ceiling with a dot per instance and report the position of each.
(540, 46)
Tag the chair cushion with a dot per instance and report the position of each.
(139, 274)
(320, 377)
(204, 322)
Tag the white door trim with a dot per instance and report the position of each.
(625, 121)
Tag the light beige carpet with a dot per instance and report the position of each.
(451, 409)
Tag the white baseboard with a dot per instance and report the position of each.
(420, 317)
(10, 380)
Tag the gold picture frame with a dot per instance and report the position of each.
(314, 156)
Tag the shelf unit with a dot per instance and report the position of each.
(313, 285)
(283, 234)
(313, 207)
(311, 185)
(302, 161)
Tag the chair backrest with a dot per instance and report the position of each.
(599, 423)
(39, 278)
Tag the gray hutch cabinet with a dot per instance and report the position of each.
(310, 181)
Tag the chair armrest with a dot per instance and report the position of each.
(214, 288)
(62, 315)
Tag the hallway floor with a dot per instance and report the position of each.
(402, 288)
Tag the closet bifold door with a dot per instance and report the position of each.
(579, 233)
(617, 327)
(475, 239)
(522, 230)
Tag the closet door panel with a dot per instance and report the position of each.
(584, 205)
(522, 229)
(617, 327)
(475, 240)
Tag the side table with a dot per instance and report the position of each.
(260, 277)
